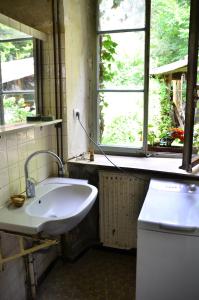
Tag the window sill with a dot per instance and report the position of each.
(171, 149)
(16, 127)
(146, 164)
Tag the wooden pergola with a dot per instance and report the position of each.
(174, 75)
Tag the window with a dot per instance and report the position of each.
(122, 74)
(17, 76)
(141, 109)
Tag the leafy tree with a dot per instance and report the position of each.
(165, 121)
(13, 50)
(16, 50)
(121, 130)
(130, 73)
(108, 50)
(169, 31)
(15, 110)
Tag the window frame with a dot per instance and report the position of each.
(146, 29)
(188, 162)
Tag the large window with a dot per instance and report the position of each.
(17, 76)
(121, 74)
(142, 109)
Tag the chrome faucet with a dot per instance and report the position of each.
(30, 184)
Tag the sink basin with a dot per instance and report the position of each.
(60, 204)
(63, 207)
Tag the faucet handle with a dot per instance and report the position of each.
(30, 188)
(61, 172)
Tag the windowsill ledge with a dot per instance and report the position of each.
(16, 127)
(146, 164)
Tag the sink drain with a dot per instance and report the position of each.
(52, 216)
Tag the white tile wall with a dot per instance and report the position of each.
(3, 160)
(14, 149)
(4, 177)
(2, 143)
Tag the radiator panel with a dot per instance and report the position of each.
(120, 197)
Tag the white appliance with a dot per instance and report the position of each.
(168, 242)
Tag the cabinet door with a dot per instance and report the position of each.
(167, 266)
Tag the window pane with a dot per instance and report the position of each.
(121, 63)
(18, 107)
(17, 65)
(167, 113)
(121, 14)
(17, 74)
(121, 119)
(169, 33)
(168, 72)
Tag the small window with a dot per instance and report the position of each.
(17, 76)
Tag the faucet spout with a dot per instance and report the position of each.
(30, 186)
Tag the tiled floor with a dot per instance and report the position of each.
(98, 274)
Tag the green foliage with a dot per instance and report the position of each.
(16, 50)
(122, 130)
(169, 30)
(108, 50)
(196, 137)
(130, 73)
(117, 73)
(153, 134)
(116, 3)
(15, 110)
(165, 121)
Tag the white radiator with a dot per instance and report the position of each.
(121, 196)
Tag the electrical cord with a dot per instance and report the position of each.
(75, 156)
(100, 149)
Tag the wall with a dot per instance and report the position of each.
(15, 147)
(80, 48)
(78, 55)
(37, 13)
(78, 52)
(48, 76)
(13, 276)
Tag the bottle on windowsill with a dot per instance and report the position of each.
(91, 151)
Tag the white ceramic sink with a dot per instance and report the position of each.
(58, 206)
(65, 206)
